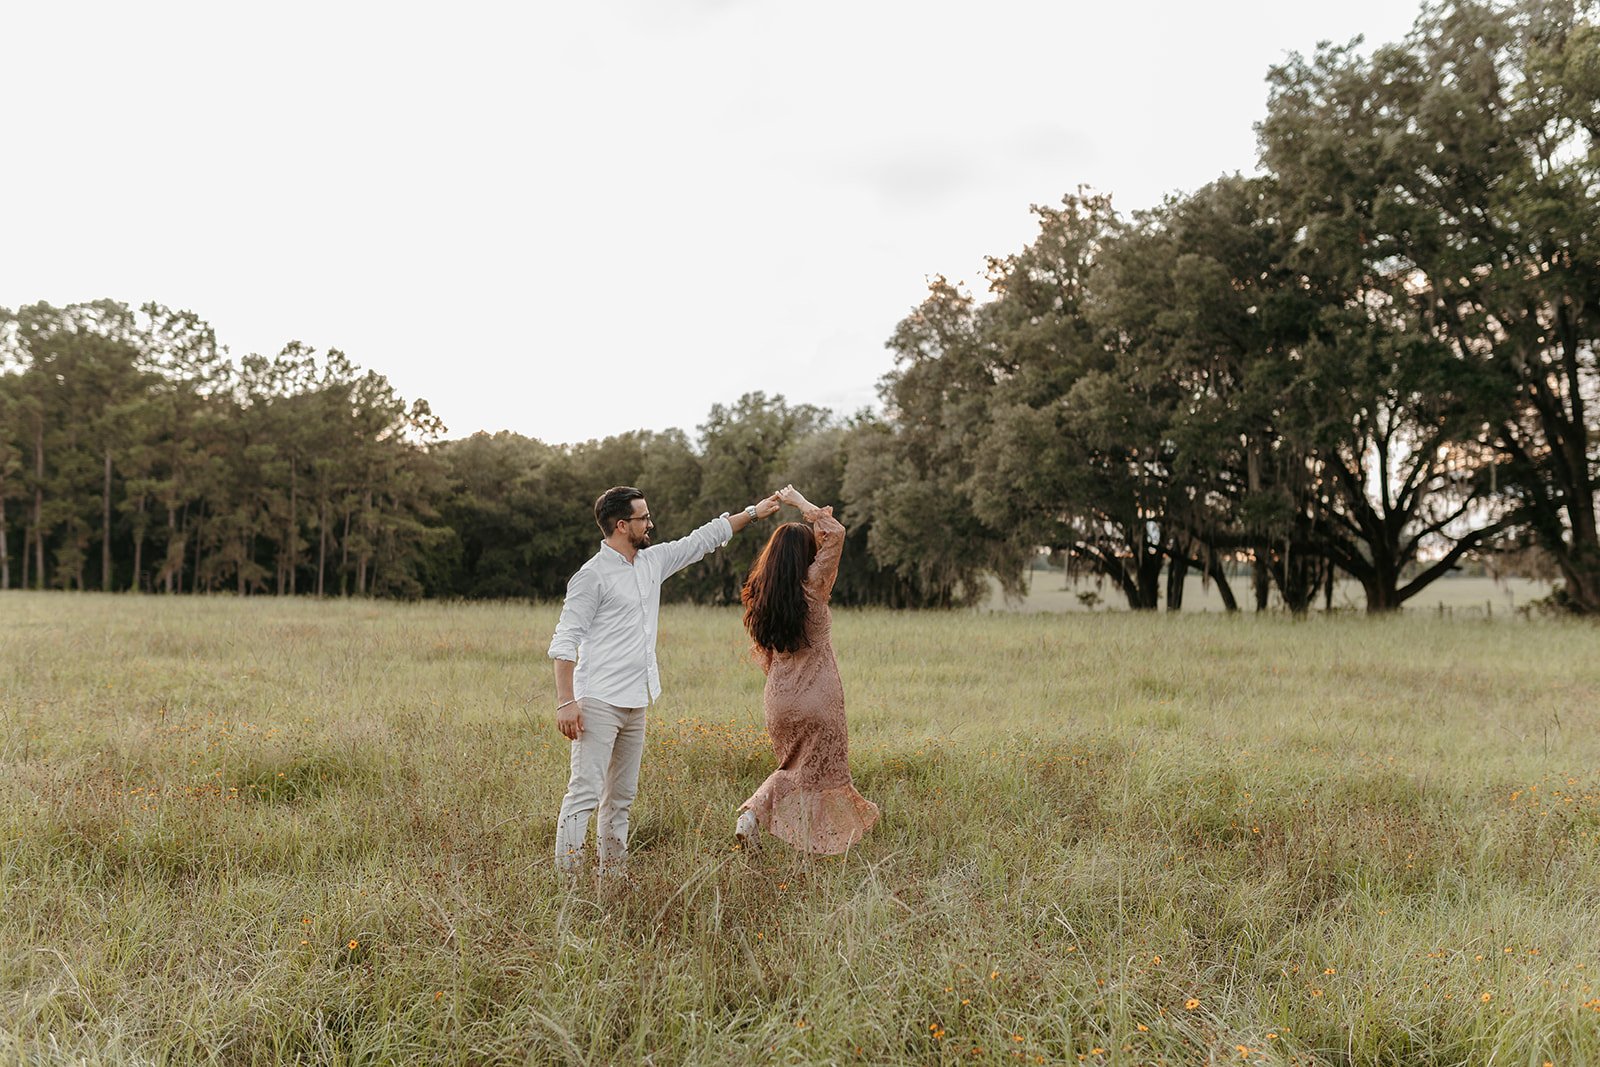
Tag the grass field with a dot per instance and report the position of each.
(274, 832)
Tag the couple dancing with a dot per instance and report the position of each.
(604, 649)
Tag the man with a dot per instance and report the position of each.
(605, 655)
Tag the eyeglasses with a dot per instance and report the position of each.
(636, 518)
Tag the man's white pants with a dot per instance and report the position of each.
(605, 776)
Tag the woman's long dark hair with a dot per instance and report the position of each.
(774, 594)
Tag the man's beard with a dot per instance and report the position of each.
(642, 541)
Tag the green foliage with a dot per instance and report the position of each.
(1373, 360)
(919, 484)
(130, 432)
(1452, 176)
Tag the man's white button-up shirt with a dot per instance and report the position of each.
(608, 620)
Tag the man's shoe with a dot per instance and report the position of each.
(745, 830)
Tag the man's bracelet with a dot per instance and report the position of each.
(564, 703)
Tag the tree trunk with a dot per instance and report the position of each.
(38, 503)
(293, 532)
(322, 545)
(1144, 582)
(1580, 562)
(1262, 579)
(172, 542)
(1218, 575)
(366, 552)
(1580, 578)
(1296, 581)
(194, 586)
(105, 530)
(344, 558)
(38, 536)
(1177, 570)
(5, 558)
(138, 548)
(1382, 597)
(183, 524)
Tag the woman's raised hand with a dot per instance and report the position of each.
(791, 496)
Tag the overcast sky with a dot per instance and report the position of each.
(572, 220)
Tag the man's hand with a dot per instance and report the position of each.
(569, 720)
(569, 713)
(767, 506)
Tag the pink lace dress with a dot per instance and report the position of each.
(810, 801)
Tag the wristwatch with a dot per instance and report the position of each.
(750, 510)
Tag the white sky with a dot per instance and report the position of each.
(576, 219)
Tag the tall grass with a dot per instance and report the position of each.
(279, 832)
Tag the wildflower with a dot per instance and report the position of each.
(1192, 1003)
(1316, 992)
(1143, 1029)
(1329, 970)
(1486, 997)
(353, 944)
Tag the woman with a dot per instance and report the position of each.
(809, 801)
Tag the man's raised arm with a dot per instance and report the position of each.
(698, 543)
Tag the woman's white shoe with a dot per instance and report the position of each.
(745, 830)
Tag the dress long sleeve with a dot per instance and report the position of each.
(830, 547)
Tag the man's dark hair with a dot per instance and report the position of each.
(615, 503)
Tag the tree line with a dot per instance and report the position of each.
(135, 456)
(1370, 360)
